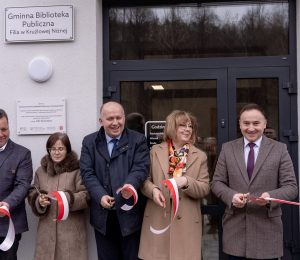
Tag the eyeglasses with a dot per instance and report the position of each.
(59, 150)
(184, 127)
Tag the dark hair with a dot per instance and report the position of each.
(270, 127)
(3, 114)
(253, 107)
(58, 136)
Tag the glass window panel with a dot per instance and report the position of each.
(203, 31)
(263, 92)
(198, 97)
(210, 238)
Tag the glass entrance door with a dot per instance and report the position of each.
(215, 97)
(150, 96)
(270, 88)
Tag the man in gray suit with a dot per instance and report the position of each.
(15, 179)
(253, 166)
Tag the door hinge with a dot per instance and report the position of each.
(289, 85)
(289, 133)
(109, 90)
(290, 244)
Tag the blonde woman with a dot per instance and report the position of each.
(176, 158)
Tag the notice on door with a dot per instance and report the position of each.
(154, 132)
(41, 116)
(39, 23)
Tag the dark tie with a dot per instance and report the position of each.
(114, 141)
(250, 163)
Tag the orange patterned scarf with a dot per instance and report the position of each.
(177, 161)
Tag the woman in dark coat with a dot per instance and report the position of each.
(59, 171)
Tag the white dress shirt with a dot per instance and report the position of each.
(3, 148)
(255, 148)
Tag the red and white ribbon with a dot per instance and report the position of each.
(10, 237)
(172, 185)
(135, 197)
(282, 201)
(63, 205)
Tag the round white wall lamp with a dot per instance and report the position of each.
(40, 69)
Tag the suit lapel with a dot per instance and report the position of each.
(238, 147)
(6, 152)
(163, 158)
(101, 145)
(264, 150)
(192, 156)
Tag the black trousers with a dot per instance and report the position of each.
(10, 254)
(231, 257)
(112, 245)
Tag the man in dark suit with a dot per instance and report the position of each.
(255, 166)
(15, 179)
(111, 158)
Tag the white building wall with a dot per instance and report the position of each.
(77, 76)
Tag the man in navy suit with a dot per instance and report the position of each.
(115, 157)
(15, 179)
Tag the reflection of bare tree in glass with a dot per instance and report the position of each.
(194, 32)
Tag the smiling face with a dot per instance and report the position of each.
(112, 119)
(252, 124)
(183, 133)
(4, 131)
(58, 151)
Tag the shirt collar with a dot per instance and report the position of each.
(3, 147)
(257, 142)
(108, 138)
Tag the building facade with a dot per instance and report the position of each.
(210, 58)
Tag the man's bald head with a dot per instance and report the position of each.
(111, 103)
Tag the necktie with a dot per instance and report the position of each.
(250, 163)
(114, 141)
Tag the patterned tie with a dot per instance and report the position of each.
(114, 141)
(250, 163)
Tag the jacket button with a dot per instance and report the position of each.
(178, 217)
(249, 212)
(105, 186)
(107, 165)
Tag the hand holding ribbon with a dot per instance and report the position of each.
(272, 199)
(2, 203)
(172, 185)
(133, 192)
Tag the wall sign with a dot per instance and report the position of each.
(39, 23)
(41, 116)
(154, 132)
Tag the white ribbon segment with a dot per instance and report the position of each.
(171, 183)
(135, 197)
(10, 237)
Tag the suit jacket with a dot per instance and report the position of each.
(129, 164)
(254, 231)
(15, 179)
(183, 238)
